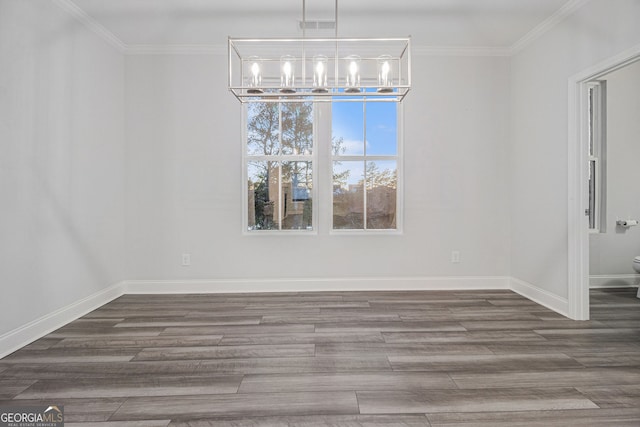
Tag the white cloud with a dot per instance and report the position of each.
(352, 147)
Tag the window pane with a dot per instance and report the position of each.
(592, 194)
(297, 183)
(263, 124)
(382, 182)
(382, 128)
(348, 195)
(347, 128)
(591, 120)
(297, 128)
(263, 193)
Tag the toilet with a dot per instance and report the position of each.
(636, 267)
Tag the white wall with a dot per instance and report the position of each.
(540, 73)
(184, 180)
(611, 253)
(61, 162)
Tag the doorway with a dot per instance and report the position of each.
(581, 217)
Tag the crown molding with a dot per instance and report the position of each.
(460, 51)
(176, 49)
(81, 16)
(545, 26)
(211, 49)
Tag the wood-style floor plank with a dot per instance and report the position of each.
(527, 325)
(72, 355)
(482, 362)
(409, 358)
(100, 370)
(253, 404)
(570, 348)
(225, 352)
(237, 330)
(388, 327)
(330, 318)
(345, 382)
(281, 365)
(399, 349)
(131, 386)
(67, 332)
(144, 423)
(470, 316)
(542, 378)
(609, 358)
(479, 337)
(190, 322)
(490, 400)
(303, 338)
(553, 418)
(614, 396)
(10, 387)
(140, 342)
(312, 421)
(42, 344)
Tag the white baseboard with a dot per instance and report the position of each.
(313, 285)
(26, 334)
(541, 296)
(614, 281)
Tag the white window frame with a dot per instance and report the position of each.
(322, 192)
(597, 137)
(398, 158)
(246, 158)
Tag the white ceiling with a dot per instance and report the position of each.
(431, 23)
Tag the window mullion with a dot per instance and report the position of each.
(280, 204)
(364, 189)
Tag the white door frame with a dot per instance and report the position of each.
(578, 256)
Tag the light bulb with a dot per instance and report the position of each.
(385, 70)
(384, 74)
(255, 70)
(353, 68)
(353, 74)
(320, 74)
(287, 70)
(254, 75)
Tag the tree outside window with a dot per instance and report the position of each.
(280, 166)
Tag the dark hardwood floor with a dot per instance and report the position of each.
(490, 358)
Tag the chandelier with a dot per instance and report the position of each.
(322, 69)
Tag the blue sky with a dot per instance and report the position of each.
(381, 128)
(381, 133)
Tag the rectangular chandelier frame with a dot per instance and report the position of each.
(319, 69)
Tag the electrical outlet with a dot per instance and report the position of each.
(455, 257)
(186, 260)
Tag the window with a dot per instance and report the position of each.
(365, 165)
(597, 155)
(359, 145)
(279, 166)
